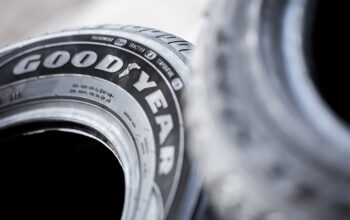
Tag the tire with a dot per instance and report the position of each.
(269, 141)
(93, 116)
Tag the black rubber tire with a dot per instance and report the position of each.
(119, 74)
(268, 144)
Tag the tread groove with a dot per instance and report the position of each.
(178, 41)
(163, 35)
(178, 45)
(146, 29)
(183, 50)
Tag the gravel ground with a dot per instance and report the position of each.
(20, 19)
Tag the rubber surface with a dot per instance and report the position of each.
(268, 145)
(136, 74)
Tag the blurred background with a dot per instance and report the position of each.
(20, 19)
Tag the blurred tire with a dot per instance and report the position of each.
(265, 120)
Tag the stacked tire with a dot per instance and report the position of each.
(266, 113)
(73, 101)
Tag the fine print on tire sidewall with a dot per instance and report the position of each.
(143, 69)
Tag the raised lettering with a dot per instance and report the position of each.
(166, 125)
(167, 154)
(57, 59)
(84, 59)
(143, 83)
(28, 64)
(110, 64)
(156, 100)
